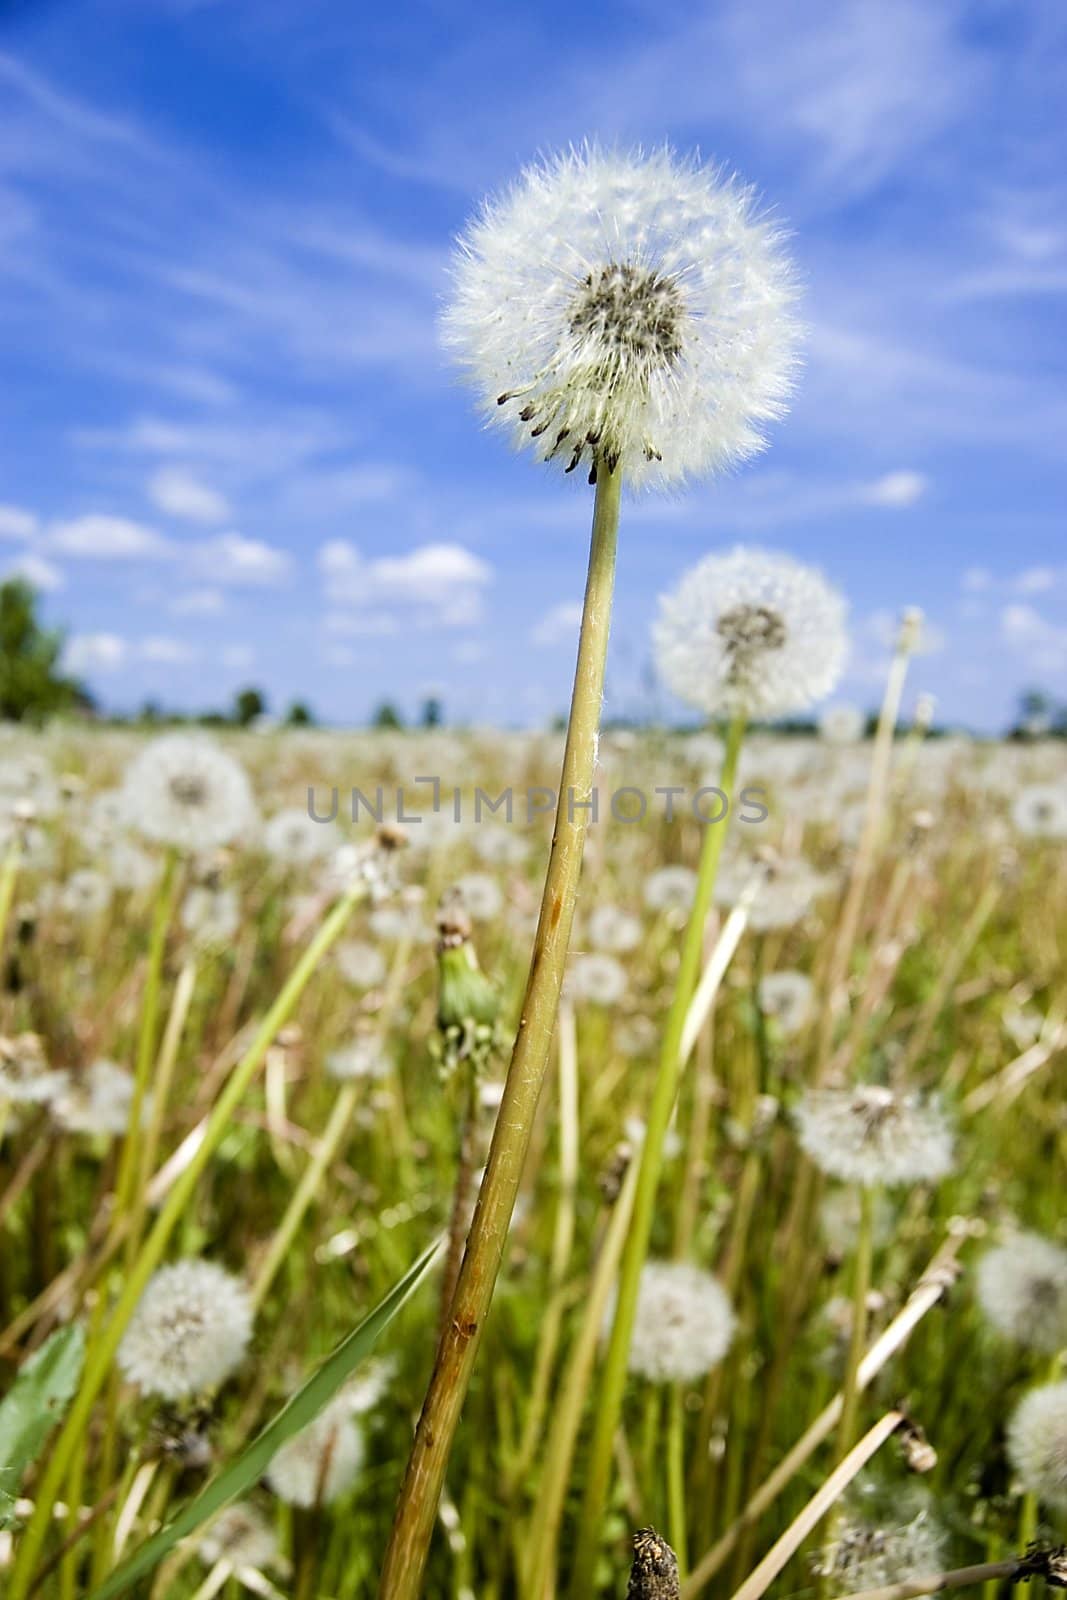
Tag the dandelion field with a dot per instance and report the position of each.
(896, 1141)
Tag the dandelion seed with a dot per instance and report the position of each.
(1037, 1444)
(320, 1462)
(751, 634)
(1022, 1288)
(241, 1536)
(683, 1324)
(190, 1331)
(871, 1135)
(628, 306)
(182, 790)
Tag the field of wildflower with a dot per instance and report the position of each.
(819, 1184)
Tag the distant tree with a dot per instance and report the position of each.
(299, 715)
(248, 704)
(387, 716)
(433, 712)
(32, 686)
(150, 713)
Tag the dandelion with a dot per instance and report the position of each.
(1037, 1444)
(481, 895)
(25, 1076)
(871, 1135)
(296, 839)
(683, 1325)
(242, 1537)
(130, 867)
(612, 929)
(190, 1331)
(597, 978)
(631, 306)
(360, 964)
(1040, 812)
(321, 1462)
(211, 915)
(182, 790)
(873, 1555)
(751, 634)
(787, 997)
(85, 894)
(99, 1101)
(841, 724)
(364, 1057)
(671, 890)
(787, 891)
(1022, 1288)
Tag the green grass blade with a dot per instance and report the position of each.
(250, 1465)
(36, 1402)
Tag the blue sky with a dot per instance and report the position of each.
(230, 450)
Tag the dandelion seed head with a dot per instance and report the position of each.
(842, 725)
(25, 1075)
(211, 915)
(871, 1135)
(597, 978)
(1022, 1288)
(294, 838)
(683, 1324)
(241, 1536)
(360, 964)
(611, 928)
(1040, 811)
(631, 307)
(670, 889)
(363, 1057)
(1037, 1444)
(751, 633)
(319, 1463)
(190, 1330)
(869, 1555)
(183, 790)
(99, 1101)
(787, 997)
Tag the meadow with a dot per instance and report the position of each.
(282, 1054)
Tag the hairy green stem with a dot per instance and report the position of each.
(613, 1383)
(409, 1543)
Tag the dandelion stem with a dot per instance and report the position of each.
(861, 1288)
(676, 1521)
(102, 1351)
(416, 1513)
(664, 1094)
(9, 872)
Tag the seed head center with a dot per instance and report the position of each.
(632, 313)
(747, 630)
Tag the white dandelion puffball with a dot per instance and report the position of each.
(634, 308)
(842, 724)
(751, 633)
(1037, 1444)
(364, 1057)
(482, 895)
(786, 892)
(321, 1461)
(211, 916)
(99, 1101)
(189, 1332)
(242, 1537)
(869, 1135)
(294, 838)
(360, 964)
(788, 998)
(596, 978)
(612, 929)
(26, 1079)
(867, 1555)
(683, 1323)
(670, 889)
(1040, 811)
(182, 790)
(1022, 1288)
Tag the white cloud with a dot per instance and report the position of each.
(1041, 644)
(561, 622)
(177, 492)
(444, 583)
(41, 574)
(1036, 580)
(238, 656)
(977, 579)
(232, 559)
(897, 490)
(198, 603)
(15, 523)
(105, 538)
(166, 652)
(94, 652)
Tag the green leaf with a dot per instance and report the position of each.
(251, 1464)
(36, 1402)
